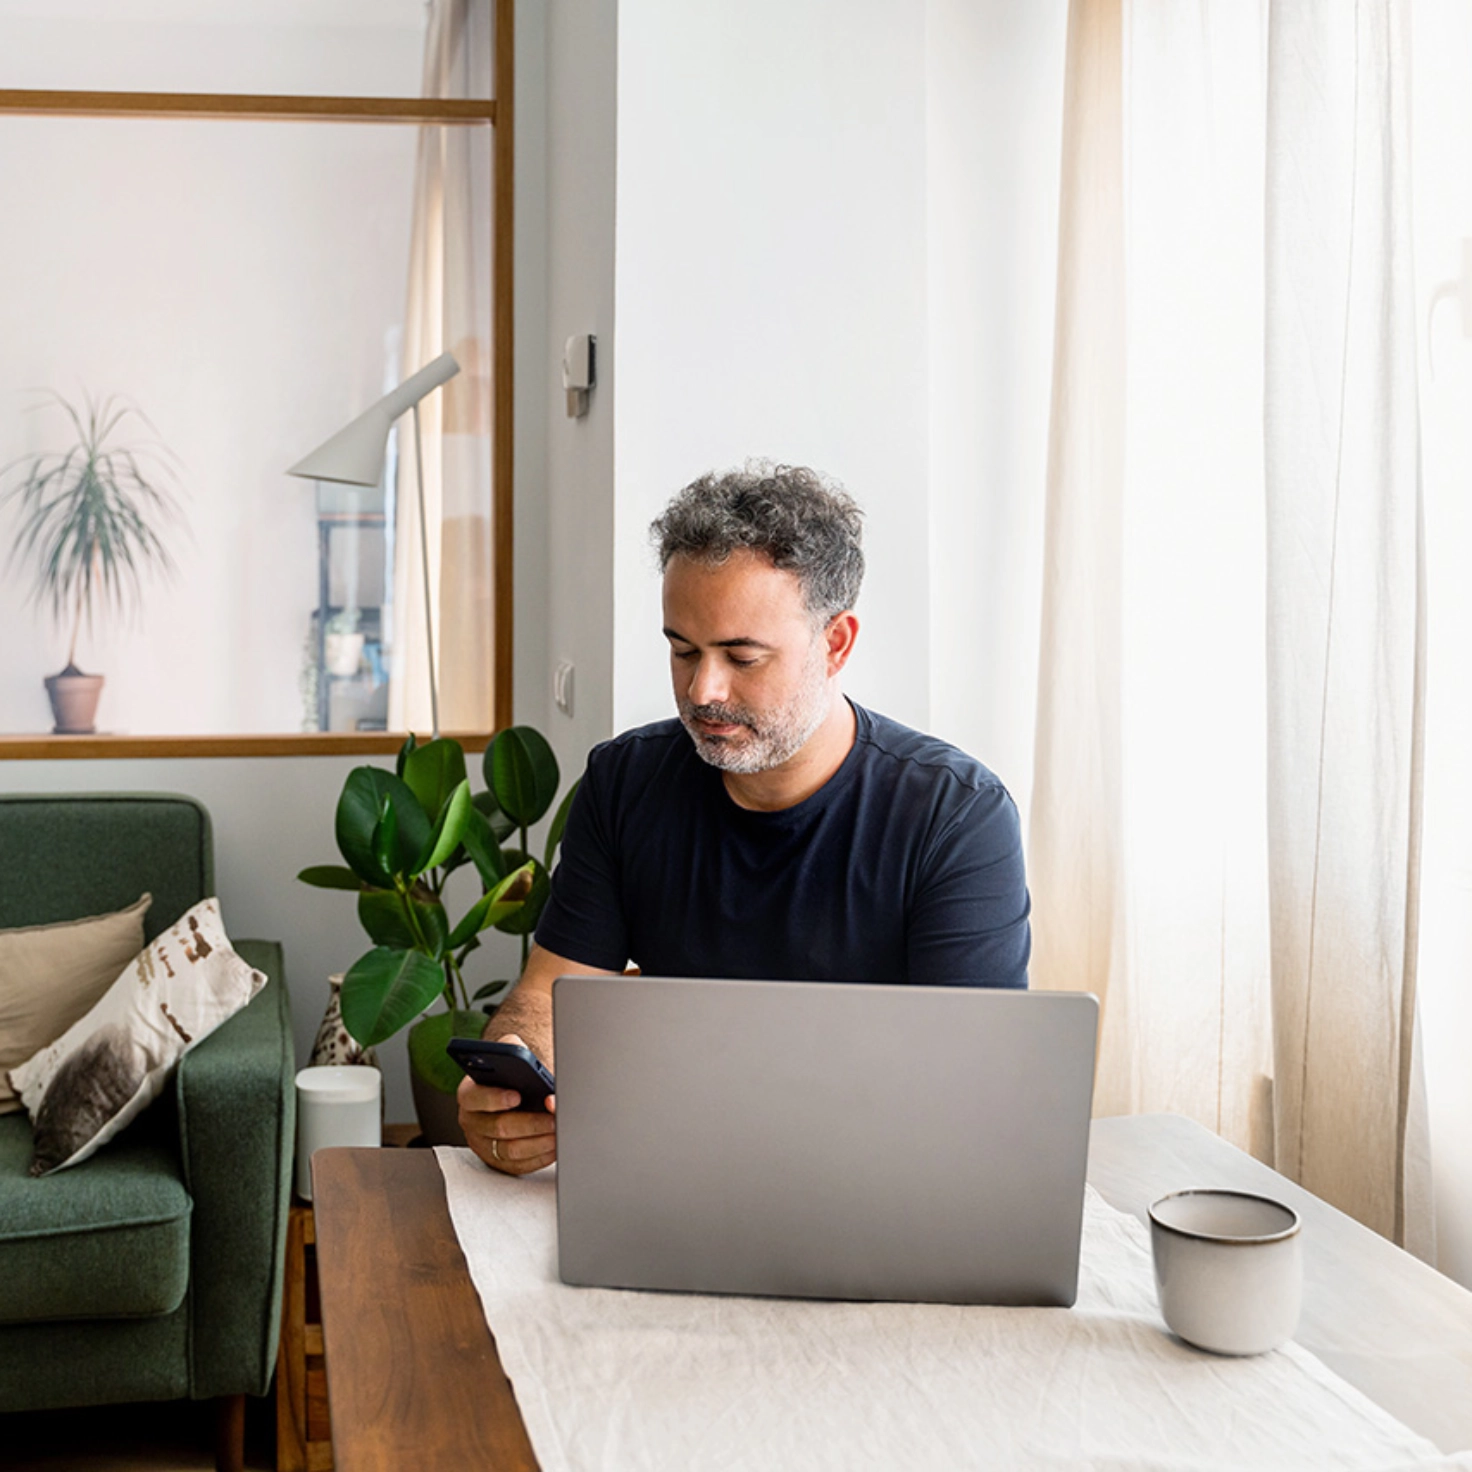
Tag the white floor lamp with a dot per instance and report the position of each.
(354, 456)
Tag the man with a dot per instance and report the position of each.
(775, 830)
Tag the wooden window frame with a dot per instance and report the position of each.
(498, 113)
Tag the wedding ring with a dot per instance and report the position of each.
(496, 1149)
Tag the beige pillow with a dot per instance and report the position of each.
(50, 975)
(107, 1067)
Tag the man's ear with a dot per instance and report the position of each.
(840, 634)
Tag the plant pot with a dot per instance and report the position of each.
(343, 653)
(74, 698)
(430, 1067)
(439, 1114)
(334, 1043)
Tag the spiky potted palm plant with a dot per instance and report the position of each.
(89, 526)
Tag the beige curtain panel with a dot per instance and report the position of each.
(449, 310)
(1345, 612)
(1226, 803)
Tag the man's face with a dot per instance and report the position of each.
(749, 662)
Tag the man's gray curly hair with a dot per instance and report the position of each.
(803, 521)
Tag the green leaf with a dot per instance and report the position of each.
(414, 827)
(434, 922)
(386, 838)
(359, 813)
(493, 990)
(496, 905)
(434, 773)
(413, 922)
(524, 920)
(483, 847)
(386, 988)
(453, 819)
(522, 772)
(357, 821)
(559, 823)
(409, 744)
(490, 809)
(427, 1039)
(381, 914)
(330, 876)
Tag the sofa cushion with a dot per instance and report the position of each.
(105, 1069)
(50, 975)
(110, 1241)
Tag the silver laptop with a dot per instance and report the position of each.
(822, 1139)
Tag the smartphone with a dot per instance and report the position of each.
(504, 1066)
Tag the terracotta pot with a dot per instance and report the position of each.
(74, 698)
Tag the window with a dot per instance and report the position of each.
(250, 269)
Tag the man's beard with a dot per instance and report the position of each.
(773, 738)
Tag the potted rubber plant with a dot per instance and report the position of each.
(90, 522)
(403, 835)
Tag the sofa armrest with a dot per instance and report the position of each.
(237, 1125)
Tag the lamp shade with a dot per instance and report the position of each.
(355, 455)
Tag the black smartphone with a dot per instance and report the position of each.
(504, 1066)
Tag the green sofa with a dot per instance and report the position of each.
(153, 1270)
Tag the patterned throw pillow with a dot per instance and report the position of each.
(51, 974)
(106, 1068)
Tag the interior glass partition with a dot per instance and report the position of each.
(245, 279)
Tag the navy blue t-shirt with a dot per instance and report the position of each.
(906, 865)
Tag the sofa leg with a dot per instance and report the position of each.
(230, 1433)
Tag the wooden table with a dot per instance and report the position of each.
(414, 1379)
(303, 1429)
(412, 1374)
(1380, 1318)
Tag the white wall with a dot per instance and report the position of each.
(531, 509)
(581, 121)
(835, 246)
(771, 295)
(336, 48)
(994, 88)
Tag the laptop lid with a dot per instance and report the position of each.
(822, 1139)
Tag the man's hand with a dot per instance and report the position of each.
(510, 1139)
(519, 1141)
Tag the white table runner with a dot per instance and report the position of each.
(613, 1380)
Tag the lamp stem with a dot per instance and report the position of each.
(434, 699)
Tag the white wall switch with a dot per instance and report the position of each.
(579, 372)
(562, 686)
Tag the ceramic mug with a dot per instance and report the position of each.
(1229, 1269)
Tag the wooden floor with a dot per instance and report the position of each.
(175, 1436)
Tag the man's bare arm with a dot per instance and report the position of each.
(505, 1136)
(527, 1010)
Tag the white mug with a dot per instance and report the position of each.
(1228, 1268)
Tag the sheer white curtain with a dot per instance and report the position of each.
(1346, 612)
(1148, 845)
(448, 310)
(1161, 854)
